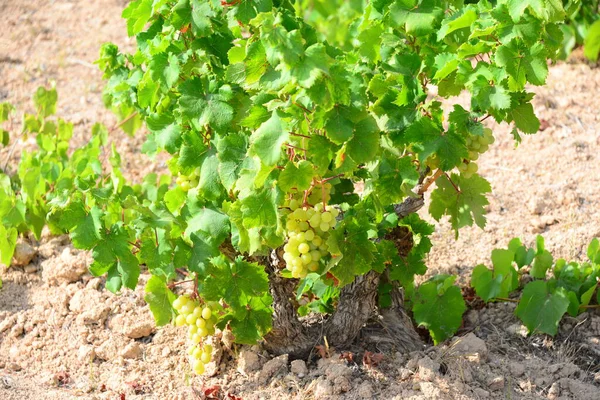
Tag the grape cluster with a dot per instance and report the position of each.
(201, 323)
(186, 182)
(307, 229)
(320, 194)
(476, 145)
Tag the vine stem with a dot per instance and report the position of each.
(123, 122)
(173, 284)
(430, 181)
(507, 299)
(590, 306)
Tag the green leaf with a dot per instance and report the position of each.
(45, 101)
(267, 140)
(164, 68)
(260, 209)
(593, 251)
(8, 242)
(159, 299)
(591, 43)
(439, 308)
(540, 310)
(137, 14)
(298, 177)
(465, 207)
(86, 233)
(204, 108)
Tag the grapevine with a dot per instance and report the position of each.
(299, 156)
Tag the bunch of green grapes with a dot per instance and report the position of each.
(476, 145)
(201, 323)
(320, 194)
(186, 182)
(307, 230)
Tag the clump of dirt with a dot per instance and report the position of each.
(64, 336)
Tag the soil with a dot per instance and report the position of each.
(63, 336)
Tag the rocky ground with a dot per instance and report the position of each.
(63, 336)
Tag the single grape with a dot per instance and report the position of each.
(205, 357)
(303, 248)
(206, 313)
(180, 320)
(309, 235)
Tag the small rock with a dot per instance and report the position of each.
(472, 347)
(537, 205)
(496, 383)
(334, 370)
(273, 367)
(341, 384)
(111, 348)
(66, 268)
(597, 377)
(323, 388)
(365, 390)
(31, 269)
(23, 254)
(517, 329)
(429, 390)
(248, 362)
(554, 391)
(428, 369)
(132, 350)
(516, 368)
(481, 394)
(86, 353)
(298, 368)
(404, 373)
(14, 366)
(165, 351)
(134, 325)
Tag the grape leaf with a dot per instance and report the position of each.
(439, 308)
(539, 309)
(464, 207)
(8, 242)
(267, 140)
(159, 299)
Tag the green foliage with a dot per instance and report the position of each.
(262, 103)
(439, 306)
(545, 300)
(582, 29)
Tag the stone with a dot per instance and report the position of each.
(470, 346)
(278, 365)
(134, 325)
(341, 384)
(516, 368)
(131, 351)
(68, 267)
(429, 390)
(248, 362)
(111, 348)
(86, 353)
(365, 391)
(554, 391)
(298, 368)
(23, 254)
(323, 388)
(495, 383)
(404, 373)
(481, 393)
(428, 369)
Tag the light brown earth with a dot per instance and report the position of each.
(62, 336)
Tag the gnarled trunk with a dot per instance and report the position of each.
(357, 305)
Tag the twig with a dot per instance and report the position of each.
(429, 182)
(507, 299)
(123, 122)
(484, 118)
(453, 184)
(297, 134)
(173, 284)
